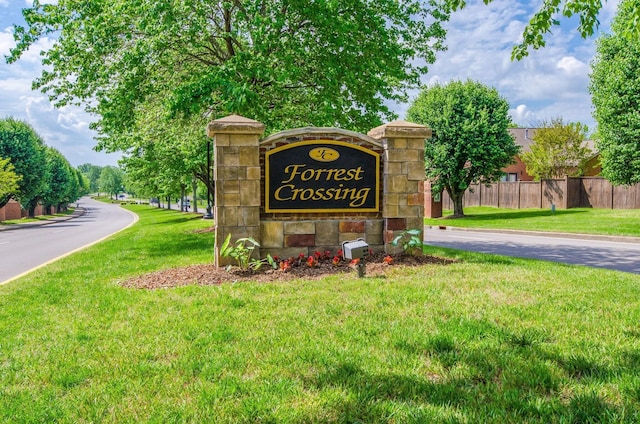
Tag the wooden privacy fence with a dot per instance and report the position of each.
(570, 192)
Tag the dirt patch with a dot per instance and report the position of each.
(298, 268)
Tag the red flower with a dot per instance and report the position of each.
(336, 260)
(285, 265)
(311, 261)
(327, 254)
(354, 262)
(317, 254)
(388, 259)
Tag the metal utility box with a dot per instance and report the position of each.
(356, 249)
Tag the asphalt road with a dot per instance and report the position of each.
(621, 256)
(28, 247)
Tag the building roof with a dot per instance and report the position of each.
(524, 139)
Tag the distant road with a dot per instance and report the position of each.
(26, 248)
(621, 256)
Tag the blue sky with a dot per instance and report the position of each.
(552, 82)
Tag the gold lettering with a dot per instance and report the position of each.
(360, 198)
(335, 174)
(354, 174)
(356, 197)
(277, 195)
(293, 173)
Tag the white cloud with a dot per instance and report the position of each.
(573, 66)
(523, 115)
(6, 41)
(67, 128)
(548, 83)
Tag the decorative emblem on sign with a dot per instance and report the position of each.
(324, 154)
(322, 176)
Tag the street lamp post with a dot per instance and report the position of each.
(208, 214)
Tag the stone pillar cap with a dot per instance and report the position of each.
(234, 124)
(400, 129)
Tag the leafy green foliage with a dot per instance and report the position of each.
(410, 241)
(615, 90)
(92, 172)
(286, 63)
(470, 142)
(62, 185)
(558, 149)
(111, 179)
(242, 252)
(26, 151)
(9, 180)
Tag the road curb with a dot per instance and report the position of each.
(76, 213)
(622, 239)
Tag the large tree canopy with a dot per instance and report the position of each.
(62, 181)
(615, 89)
(470, 143)
(111, 179)
(558, 149)
(26, 150)
(283, 62)
(8, 178)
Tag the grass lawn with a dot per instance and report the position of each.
(617, 222)
(488, 339)
(37, 218)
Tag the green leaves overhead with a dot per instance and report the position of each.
(301, 62)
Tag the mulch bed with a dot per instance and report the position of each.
(376, 265)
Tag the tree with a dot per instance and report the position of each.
(25, 149)
(615, 90)
(470, 143)
(62, 184)
(177, 65)
(9, 180)
(283, 62)
(558, 149)
(83, 184)
(552, 11)
(111, 180)
(92, 173)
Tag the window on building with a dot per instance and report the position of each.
(510, 177)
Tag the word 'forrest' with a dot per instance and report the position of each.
(311, 189)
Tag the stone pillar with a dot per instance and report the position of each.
(237, 175)
(403, 179)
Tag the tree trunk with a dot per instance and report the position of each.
(457, 198)
(194, 188)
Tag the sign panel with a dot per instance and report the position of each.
(322, 176)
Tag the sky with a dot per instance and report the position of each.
(549, 83)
